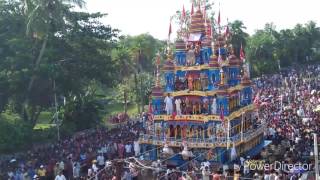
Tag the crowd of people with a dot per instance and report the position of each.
(288, 103)
(79, 157)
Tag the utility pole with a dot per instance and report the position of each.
(279, 66)
(140, 73)
(56, 115)
(316, 156)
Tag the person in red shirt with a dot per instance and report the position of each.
(121, 150)
(216, 176)
(50, 169)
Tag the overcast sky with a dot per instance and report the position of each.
(135, 17)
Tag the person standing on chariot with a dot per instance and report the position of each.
(197, 54)
(178, 106)
(190, 55)
(214, 105)
(169, 105)
(190, 83)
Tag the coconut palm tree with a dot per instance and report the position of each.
(238, 36)
(45, 19)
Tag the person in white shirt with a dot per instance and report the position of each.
(136, 148)
(76, 170)
(266, 176)
(169, 106)
(206, 173)
(61, 166)
(115, 145)
(94, 166)
(277, 176)
(242, 159)
(214, 105)
(89, 172)
(100, 159)
(272, 132)
(60, 176)
(246, 169)
(104, 149)
(178, 109)
(11, 175)
(168, 172)
(128, 148)
(272, 176)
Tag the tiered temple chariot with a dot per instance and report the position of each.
(204, 109)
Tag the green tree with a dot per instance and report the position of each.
(286, 47)
(82, 112)
(12, 42)
(74, 58)
(122, 60)
(269, 49)
(306, 39)
(84, 65)
(46, 19)
(262, 50)
(143, 49)
(238, 35)
(14, 133)
(135, 55)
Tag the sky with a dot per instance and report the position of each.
(134, 17)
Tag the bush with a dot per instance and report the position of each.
(14, 135)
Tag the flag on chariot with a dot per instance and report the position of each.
(192, 10)
(183, 13)
(242, 55)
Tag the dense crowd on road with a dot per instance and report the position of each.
(288, 103)
(78, 157)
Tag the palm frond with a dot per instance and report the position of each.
(31, 18)
(79, 3)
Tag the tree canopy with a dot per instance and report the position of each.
(62, 54)
(268, 49)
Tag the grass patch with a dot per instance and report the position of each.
(116, 108)
(9, 117)
(45, 117)
(43, 126)
(44, 121)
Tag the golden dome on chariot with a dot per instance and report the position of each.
(197, 23)
(180, 45)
